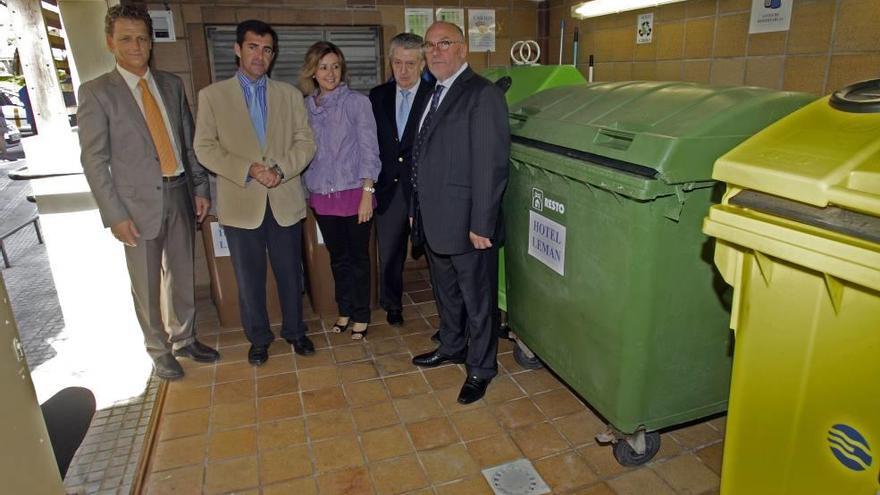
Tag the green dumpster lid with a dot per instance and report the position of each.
(527, 80)
(673, 131)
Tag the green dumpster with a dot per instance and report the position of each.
(609, 278)
(526, 80)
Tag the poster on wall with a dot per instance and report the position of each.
(770, 15)
(481, 30)
(645, 28)
(418, 20)
(455, 16)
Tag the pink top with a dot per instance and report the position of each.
(338, 204)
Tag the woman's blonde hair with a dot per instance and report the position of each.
(310, 66)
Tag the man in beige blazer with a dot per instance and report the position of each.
(135, 132)
(253, 132)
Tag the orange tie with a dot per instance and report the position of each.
(158, 130)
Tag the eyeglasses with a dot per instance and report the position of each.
(442, 45)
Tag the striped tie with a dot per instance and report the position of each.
(158, 131)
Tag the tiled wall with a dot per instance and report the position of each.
(830, 43)
(188, 57)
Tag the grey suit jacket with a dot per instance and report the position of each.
(117, 153)
(463, 165)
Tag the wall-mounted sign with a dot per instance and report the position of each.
(481, 30)
(645, 28)
(455, 16)
(770, 15)
(163, 26)
(418, 20)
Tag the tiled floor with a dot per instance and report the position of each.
(358, 417)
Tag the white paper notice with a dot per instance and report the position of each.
(481, 30)
(645, 28)
(770, 15)
(221, 248)
(547, 242)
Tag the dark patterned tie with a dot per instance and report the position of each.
(423, 132)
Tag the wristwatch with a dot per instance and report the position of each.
(370, 189)
(275, 168)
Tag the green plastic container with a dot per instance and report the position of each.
(610, 280)
(527, 80)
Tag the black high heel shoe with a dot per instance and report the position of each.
(340, 328)
(359, 335)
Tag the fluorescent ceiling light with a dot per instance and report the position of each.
(596, 8)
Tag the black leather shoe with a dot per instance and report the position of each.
(302, 345)
(257, 355)
(434, 358)
(197, 351)
(474, 389)
(436, 337)
(167, 367)
(395, 318)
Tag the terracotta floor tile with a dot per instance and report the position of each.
(719, 423)
(433, 322)
(352, 481)
(338, 340)
(406, 385)
(431, 433)
(696, 435)
(398, 476)
(196, 377)
(518, 413)
(580, 428)
(232, 443)
(232, 372)
(354, 352)
(558, 403)
(394, 364)
(315, 378)
(184, 424)
(539, 440)
(330, 424)
(640, 482)
(235, 415)
(507, 363)
(385, 443)
(448, 398)
(386, 346)
(375, 416)
(494, 450)
(669, 447)
(280, 347)
(179, 452)
(285, 463)
(476, 485)
(187, 399)
(381, 331)
(687, 475)
(227, 476)
(285, 383)
(235, 353)
(227, 339)
(365, 393)
(427, 309)
(418, 407)
(355, 372)
(302, 486)
(320, 358)
(444, 377)
(325, 399)
(419, 343)
(176, 481)
(600, 488)
(281, 433)
(420, 296)
(413, 324)
(601, 460)
(416, 285)
(337, 453)
(240, 391)
(566, 471)
(276, 365)
(711, 456)
(503, 389)
(505, 345)
(448, 463)
(279, 407)
(475, 423)
(537, 381)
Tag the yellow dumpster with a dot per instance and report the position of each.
(798, 237)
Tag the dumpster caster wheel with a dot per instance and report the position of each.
(627, 456)
(522, 359)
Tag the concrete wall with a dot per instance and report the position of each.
(831, 43)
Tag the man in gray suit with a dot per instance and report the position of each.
(460, 169)
(135, 132)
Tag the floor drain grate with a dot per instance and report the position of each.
(516, 478)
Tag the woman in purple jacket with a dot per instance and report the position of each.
(340, 179)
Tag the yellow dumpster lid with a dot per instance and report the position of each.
(825, 154)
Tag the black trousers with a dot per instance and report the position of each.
(466, 287)
(392, 235)
(349, 245)
(247, 248)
